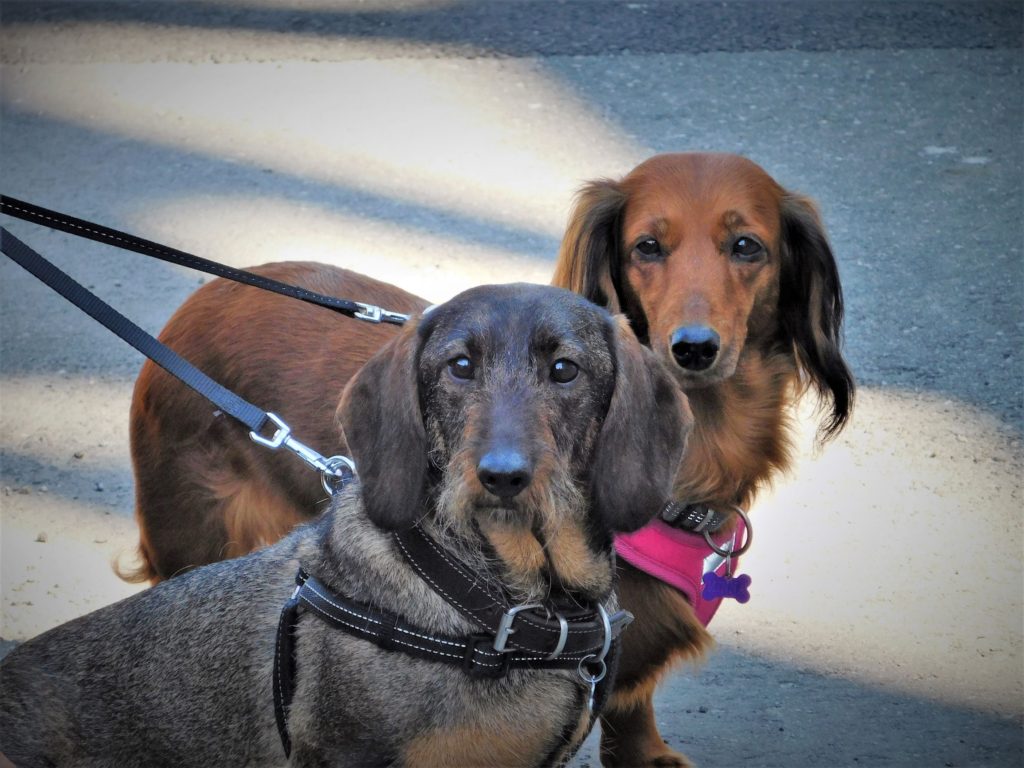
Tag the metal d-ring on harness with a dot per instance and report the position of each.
(593, 678)
(334, 471)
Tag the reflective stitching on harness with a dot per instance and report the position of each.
(426, 576)
(522, 617)
(434, 651)
(372, 620)
(324, 613)
(281, 629)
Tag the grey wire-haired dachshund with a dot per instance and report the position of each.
(515, 428)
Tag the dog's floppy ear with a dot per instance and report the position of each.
(588, 259)
(811, 310)
(642, 439)
(383, 426)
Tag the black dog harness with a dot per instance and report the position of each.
(511, 636)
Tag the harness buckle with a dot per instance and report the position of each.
(482, 643)
(505, 626)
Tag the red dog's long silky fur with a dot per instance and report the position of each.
(728, 277)
(731, 280)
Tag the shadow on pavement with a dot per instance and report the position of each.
(810, 720)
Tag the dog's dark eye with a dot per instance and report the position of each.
(748, 249)
(462, 367)
(564, 371)
(648, 249)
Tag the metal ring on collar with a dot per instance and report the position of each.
(746, 539)
(333, 477)
(586, 676)
(598, 657)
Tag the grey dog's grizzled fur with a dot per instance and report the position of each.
(180, 675)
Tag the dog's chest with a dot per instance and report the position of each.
(360, 701)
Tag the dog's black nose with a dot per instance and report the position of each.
(504, 473)
(695, 347)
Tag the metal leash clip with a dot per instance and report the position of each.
(375, 314)
(332, 471)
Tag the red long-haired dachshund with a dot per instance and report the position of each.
(723, 273)
(731, 280)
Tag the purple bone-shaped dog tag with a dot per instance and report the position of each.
(716, 586)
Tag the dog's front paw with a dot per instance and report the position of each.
(646, 754)
(672, 760)
(666, 758)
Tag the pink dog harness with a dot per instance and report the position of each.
(684, 560)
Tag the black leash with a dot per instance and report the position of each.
(91, 231)
(333, 470)
(20, 253)
(253, 417)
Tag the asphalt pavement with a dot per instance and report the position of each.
(437, 145)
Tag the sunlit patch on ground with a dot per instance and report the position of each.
(428, 264)
(894, 555)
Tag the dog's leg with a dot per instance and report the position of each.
(629, 737)
(665, 632)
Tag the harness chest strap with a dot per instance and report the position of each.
(531, 629)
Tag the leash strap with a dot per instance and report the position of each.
(90, 231)
(334, 470)
(96, 308)
(474, 654)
